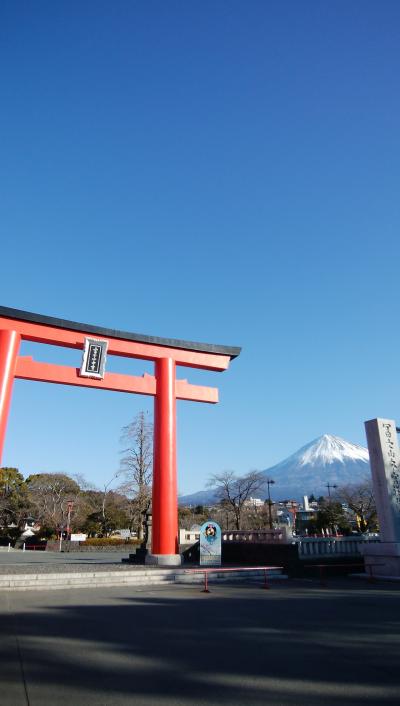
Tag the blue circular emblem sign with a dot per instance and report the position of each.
(210, 544)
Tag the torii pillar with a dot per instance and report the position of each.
(166, 354)
(9, 347)
(165, 493)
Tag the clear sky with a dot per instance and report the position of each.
(225, 172)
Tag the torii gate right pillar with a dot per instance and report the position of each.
(165, 547)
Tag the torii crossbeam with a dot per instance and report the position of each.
(166, 354)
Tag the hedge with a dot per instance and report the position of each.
(107, 541)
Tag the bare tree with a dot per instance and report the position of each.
(233, 491)
(50, 494)
(360, 498)
(137, 467)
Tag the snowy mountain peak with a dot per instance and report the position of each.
(329, 449)
(328, 459)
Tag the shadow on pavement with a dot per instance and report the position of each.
(290, 645)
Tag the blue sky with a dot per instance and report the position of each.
(222, 172)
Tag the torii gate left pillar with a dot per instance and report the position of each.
(9, 347)
(166, 389)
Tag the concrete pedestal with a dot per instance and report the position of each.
(163, 559)
(383, 558)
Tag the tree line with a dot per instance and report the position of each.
(351, 507)
(57, 500)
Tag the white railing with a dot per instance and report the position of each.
(307, 546)
(331, 547)
(274, 536)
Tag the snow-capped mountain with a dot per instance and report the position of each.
(329, 449)
(328, 459)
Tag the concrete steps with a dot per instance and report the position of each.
(256, 575)
(84, 579)
(136, 577)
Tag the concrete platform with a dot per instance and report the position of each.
(60, 578)
(26, 571)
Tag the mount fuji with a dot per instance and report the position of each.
(328, 459)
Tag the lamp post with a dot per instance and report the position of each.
(270, 482)
(70, 505)
(329, 486)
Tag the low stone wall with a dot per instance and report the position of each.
(252, 554)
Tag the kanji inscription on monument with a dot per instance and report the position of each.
(384, 458)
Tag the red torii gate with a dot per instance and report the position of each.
(166, 354)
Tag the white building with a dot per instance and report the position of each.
(189, 536)
(253, 502)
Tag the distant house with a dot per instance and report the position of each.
(254, 502)
(29, 526)
(189, 536)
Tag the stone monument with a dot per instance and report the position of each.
(384, 455)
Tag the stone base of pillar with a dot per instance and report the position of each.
(383, 558)
(163, 559)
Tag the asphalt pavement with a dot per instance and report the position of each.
(294, 644)
(32, 561)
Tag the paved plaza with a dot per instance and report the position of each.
(294, 644)
(31, 562)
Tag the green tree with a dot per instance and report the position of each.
(103, 521)
(332, 516)
(360, 499)
(185, 517)
(14, 503)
